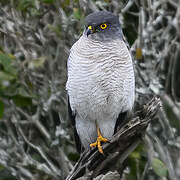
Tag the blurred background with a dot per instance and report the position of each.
(36, 138)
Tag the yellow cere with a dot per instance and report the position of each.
(90, 27)
(103, 26)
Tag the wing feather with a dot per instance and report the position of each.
(72, 117)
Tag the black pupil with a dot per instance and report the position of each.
(103, 25)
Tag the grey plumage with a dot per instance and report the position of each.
(100, 82)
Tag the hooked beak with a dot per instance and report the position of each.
(90, 30)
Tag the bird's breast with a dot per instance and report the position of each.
(101, 81)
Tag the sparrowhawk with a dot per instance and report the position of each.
(100, 81)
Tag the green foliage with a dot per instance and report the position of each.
(10, 87)
(159, 167)
(136, 162)
(24, 5)
(6, 62)
(8, 74)
(77, 13)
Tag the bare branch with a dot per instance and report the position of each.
(92, 163)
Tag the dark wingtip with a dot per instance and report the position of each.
(72, 117)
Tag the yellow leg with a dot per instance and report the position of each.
(98, 141)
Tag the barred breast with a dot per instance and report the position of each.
(100, 85)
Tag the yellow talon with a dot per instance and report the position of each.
(98, 142)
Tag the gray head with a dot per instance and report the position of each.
(102, 25)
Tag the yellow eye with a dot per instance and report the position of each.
(103, 26)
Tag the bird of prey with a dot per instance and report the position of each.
(100, 83)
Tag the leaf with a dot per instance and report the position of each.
(4, 76)
(159, 167)
(7, 62)
(1, 109)
(24, 5)
(135, 155)
(77, 13)
(22, 100)
(8, 89)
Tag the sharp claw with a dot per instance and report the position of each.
(98, 142)
(93, 144)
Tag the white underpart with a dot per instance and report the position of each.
(100, 86)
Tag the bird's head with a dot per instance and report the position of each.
(102, 25)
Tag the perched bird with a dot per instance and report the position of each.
(100, 83)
